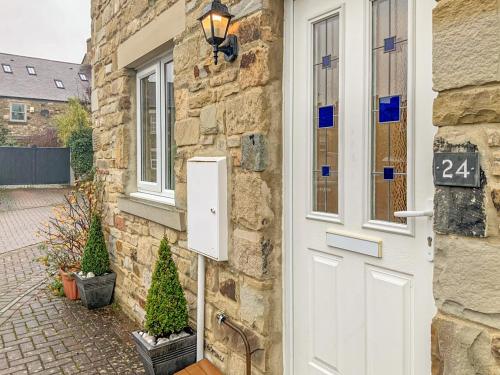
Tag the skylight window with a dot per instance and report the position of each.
(31, 70)
(83, 76)
(7, 68)
(59, 83)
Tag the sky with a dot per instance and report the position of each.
(50, 29)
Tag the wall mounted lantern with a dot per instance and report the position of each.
(215, 23)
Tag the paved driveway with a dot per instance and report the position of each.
(40, 333)
(22, 211)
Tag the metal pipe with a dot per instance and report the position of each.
(200, 313)
(222, 319)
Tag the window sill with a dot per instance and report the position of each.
(154, 210)
(154, 198)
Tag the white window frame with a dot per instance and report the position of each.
(25, 113)
(7, 68)
(156, 191)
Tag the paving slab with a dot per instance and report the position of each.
(39, 332)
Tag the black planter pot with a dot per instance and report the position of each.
(166, 358)
(96, 291)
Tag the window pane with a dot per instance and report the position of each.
(170, 126)
(148, 129)
(389, 108)
(326, 115)
(18, 112)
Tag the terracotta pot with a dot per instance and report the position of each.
(69, 285)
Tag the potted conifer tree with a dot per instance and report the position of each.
(167, 344)
(95, 281)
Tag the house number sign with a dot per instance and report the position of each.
(457, 169)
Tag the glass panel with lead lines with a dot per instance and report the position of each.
(326, 115)
(389, 109)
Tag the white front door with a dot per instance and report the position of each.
(362, 150)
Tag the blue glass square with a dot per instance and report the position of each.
(325, 170)
(390, 44)
(389, 109)
(326, 116)
(326, 62)
(389, 173)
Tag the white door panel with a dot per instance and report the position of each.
(362, 149)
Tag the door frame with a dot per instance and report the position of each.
(287, 264)
(287, 168)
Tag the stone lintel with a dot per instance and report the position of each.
(137, 49)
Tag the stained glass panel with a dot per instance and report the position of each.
(325, 115)
(389, 108)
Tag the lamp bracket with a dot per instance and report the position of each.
(230, 48)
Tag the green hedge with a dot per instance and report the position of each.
(82, 154)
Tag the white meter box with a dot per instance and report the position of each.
(207, 215)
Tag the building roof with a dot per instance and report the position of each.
(20, 84)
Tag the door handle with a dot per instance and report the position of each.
(429, 214)
(406, 214)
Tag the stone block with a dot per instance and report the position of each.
(255, 67)
(247, 112)
(250, 253)
(493, 137)
(254, 304)
(254, 155)
(233, 141)
(467, 106)
(251, 202)
(208, 120)
(466, 278)
(462, 348)
(466, 51)
(187, 132)
(244, 8)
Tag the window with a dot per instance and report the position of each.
(155, 123)
(59, 83)
(326, 115)
(17, 112)
(7, 68)
(83, 76)
(31, 70)
(389, 109)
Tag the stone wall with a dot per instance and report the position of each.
(466, 329)
(40, 117)
(233, 110)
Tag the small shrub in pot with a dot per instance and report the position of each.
(95, 281)
(167, 344)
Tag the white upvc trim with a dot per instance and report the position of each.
(395, 228)
(154, 198)
(155, 191)
(315, 215)
(145, 185)
(165, 156)
(25, 113)
(287, 256)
